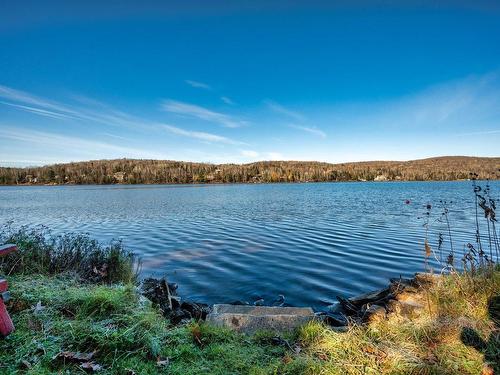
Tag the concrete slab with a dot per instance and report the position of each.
(249, 319)
(261, 310)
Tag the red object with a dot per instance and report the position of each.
(7, 249)
(6, 325)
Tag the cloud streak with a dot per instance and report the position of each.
(108, 116)
(33, 101)
(198, 85)
(207, 137)
(312, 130)
(227, 100)
(202, 113)
(278, 108)
(453, 107)
(37, 111)
(481, 132)
(80, 147)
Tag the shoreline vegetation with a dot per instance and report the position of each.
(78, 307)
(133, 171)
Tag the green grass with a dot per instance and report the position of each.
(129, 335)
(124, 330)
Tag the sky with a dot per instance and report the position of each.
(241, 81)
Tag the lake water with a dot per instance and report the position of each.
(222, 243)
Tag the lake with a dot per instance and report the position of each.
(220, 243)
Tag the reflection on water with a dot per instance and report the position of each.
(228, 242)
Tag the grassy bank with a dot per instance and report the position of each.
(57, 317)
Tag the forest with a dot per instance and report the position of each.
(132, 171)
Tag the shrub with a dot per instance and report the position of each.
(42, 252)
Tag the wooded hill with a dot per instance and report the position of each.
(130, 171)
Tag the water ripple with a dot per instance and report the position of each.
(220, 243)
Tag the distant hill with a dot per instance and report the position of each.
(131, 171)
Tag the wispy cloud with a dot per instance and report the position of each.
(80, 147)
(278, 108)
(27, 99)
(102, 113)
(227, 100)
(48, 108)
(202, 113)
(207, 137)
(37, 111)
(481, 132)
(312, 130)
(198, 85)
(299, 117)
(453, 106)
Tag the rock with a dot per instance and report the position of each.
(175, 302)
(173, 288)
(403, 282)
(164, 295)
(249, 319)
(400, 285)
(409, 297)
(335, 307)
(374, 313)
(332, 319)
(196, 310)
(410, 309)
(177, 316)
(371, 297)
(159, 292)
(347, 306)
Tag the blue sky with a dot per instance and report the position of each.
(249, 80)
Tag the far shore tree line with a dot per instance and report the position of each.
(131, 171)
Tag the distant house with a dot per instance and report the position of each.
(381, 177)
(30, 179)
(119, 176)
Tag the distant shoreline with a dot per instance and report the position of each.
(238, 183)
(136, 171)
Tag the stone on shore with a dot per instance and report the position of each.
(370, 297)
(374, 313)
(249, 319)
